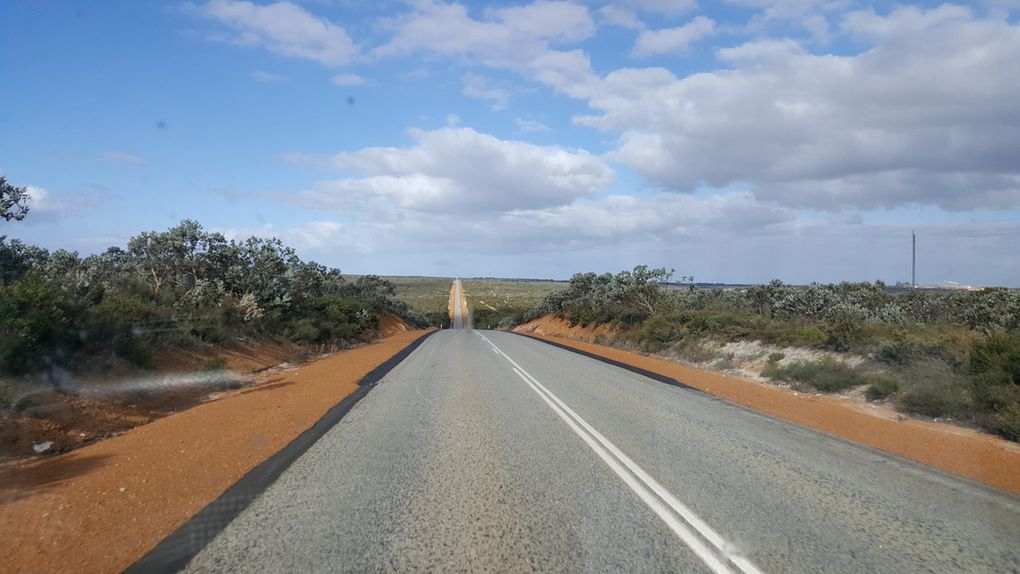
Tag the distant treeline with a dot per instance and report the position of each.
(632, 296)
(172, 288)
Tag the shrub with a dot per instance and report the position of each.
(304, 330)
(825, 375)
(881, 388)
(728, 326)
(127, 324)
(36, 325)
(810, 335)
(997, 358)
(658, 332)
(935, 400)
(845, 330)
(1006, 422)
(896, 353)
(694, 351)
(933, 388)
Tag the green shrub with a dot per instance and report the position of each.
(845, 332)
(933, 388)
(727, 326)
(998, 359)
(810, 336)
(305, 330)
(695, 351)
(658, 332)
(127, 324)
(935, 401)
(1006, 422)
(825, 375)
(37, 323)
(881, 388)
(896, 353)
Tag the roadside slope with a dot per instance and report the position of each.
(965, 452)
(101, 507)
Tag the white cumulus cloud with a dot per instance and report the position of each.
(929, 116)
(283, 28)
(672, 40)
(458, 170)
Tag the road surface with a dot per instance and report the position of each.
(489, 451)
(458, 305)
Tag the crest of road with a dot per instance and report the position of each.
(458, 306)
(493, 452)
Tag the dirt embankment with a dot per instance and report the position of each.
(92, 407)
(391, 325)
(553, 327)
(962, 451)
(101, 507)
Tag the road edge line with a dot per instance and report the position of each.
(944, 475)
(177, 549)
(638, 370)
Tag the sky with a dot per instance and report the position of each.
(735, 141)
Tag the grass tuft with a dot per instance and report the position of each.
(826, 375)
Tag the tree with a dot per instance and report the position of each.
(641, 289)
(152, 253)
(13, 201)
(16, 259)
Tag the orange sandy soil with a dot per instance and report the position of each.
(69, 420)
(962, 451)
(390, 325)
(101, 507)
(246, 358)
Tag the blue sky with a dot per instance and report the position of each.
(734, 141)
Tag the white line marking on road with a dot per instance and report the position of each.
(642, 484)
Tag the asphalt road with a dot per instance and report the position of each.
(458, 305)
(488, 451)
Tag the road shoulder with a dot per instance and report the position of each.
(963, 452)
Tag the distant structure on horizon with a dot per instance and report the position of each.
(945, 285)
(913, 259)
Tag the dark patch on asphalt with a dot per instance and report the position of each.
(177, 549)
(644, 372)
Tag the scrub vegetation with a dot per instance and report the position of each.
(944, 354)
(495, 303)
(492, 302)
(428, 296)
(175, 288)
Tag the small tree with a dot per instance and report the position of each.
(152, 253)
(13, 201)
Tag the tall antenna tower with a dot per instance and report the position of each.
(913, 259)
